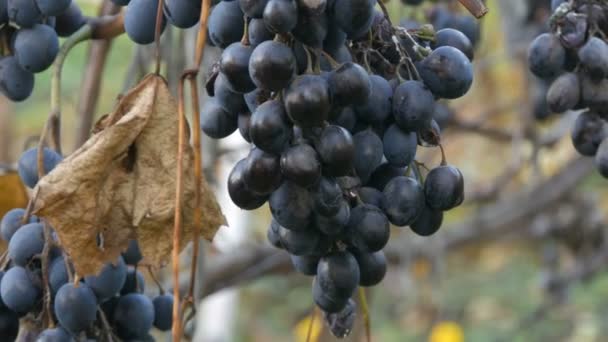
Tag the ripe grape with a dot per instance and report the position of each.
(238, 191)
(372, 267)
(272, 65)
(26, 243)
(291, 205)
(300, 242)
(305, 264)
(9, 325)
(12, 221)
(300, 164)
(338, 274)
(134, 282)
(368, 228)
(75, 307)
(399, 146)
(333, 225)
(378, 107)
(53, 7)
(182, 13)
(140, 20)
(307, 100)
(36, 48)
(428, 222)
(69, 21)
(133, 316)
(413, 105)
(109, 280)
(444, 188)
(15, 83)
(216, 122)
(593, 56)
(403, 200)
(226, 23)
(349, 84)
(588, 132)
(24, 13)
(269, 128)
(258, 32)
(341, 323)
(368, 153)
(546, 56)
(337, 151)
(280, 16)
(163, 312)
(253, 8)
(564, 93)
(132, 256)
(354, 16)
(234, 65)
(20, 289)
(231, 101)
(453, 38)
(262, 172)
(58, 274)
(28, 165)
(447, 72)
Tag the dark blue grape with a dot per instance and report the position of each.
(163, 312)
(15, 83)
(26, 243)
(132, 256)
(378, 107)
(368, 228)
(230, 101)
(28, 165)
(428, 222)
(546, 56)
(444, 188)
(24, 13)
(234, 65)
(403, 200)
(253, 8)
(53, 8)
(20, 290)
(413, 105)
(334, 225)
(301, 242)
(258, 32)
(341, 323)
(338, 276)
(58, 274)
(372, 267)
(75, 307)
(270, 129)
(69, 21)
(134, 282)
(133, 316)
(336, 150)
(226, 23)
(240, 195)
(140, 20)
(262, 172)
(300, 164)
(371, 196)
(280, 16)
(349, 84)
(453, 38)
(121, 2)
(588, 132)
(399, 146)
(216, 122)
(354, 16)
(305, 264)
(307, 100)
(272, 65)
(447, 72)
(368, 153)
(12, 221)
(291, 205)
(9, 325)
(36, 48)
(327, 197)
(109, 281)
(182, 13)
(58, 334)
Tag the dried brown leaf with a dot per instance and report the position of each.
(121, 184)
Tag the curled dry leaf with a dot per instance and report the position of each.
(121, 185)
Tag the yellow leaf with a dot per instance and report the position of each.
(446, 331)
(301, 329)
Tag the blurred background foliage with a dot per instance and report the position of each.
(491, 290)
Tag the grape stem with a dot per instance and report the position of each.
(157, 29)
(245, 39)
(106, 326)
(155, 279)
(365, 310)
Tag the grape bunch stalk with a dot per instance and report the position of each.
(335, 100)
(573, 57)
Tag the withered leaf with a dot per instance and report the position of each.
(121, 185)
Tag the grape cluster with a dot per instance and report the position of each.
(31, 31)
(573, 57)
(117, 292)
(335, 102)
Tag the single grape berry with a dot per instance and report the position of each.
(428, 222)
(272, 66)
(262, 172)
(546, 56)
(368, 228)
(27, 165)
(413, 105)
(444, 188)
(337, 151)
(240, 195)
(588, 132)
(403, 200)
(163, 312)
(447, 72)
(291, 205)
(300, 164)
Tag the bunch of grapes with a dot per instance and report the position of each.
(573, 57)
(335, 101)
(112, 302)
(29, 31)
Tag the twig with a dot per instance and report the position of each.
(476, 7)
(177, 227)
(157, 32)
(155, 279)
(313, 315)
(365, 311)
(91, 80)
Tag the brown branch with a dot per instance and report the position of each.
(107, 27)
(91, 80)
(476, 7)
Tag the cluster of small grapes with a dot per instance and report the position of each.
(29, 31)
(117, 292)
(335, 101)
(574, 58)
